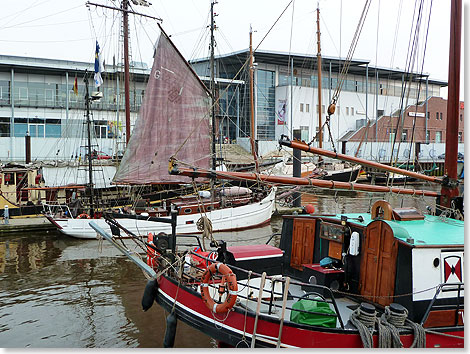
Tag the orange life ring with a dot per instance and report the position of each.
(228, 278)
(385, 206)
(84, 215)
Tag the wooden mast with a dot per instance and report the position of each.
(295, 144)
(252, 105)
(450, 188)
(320, 133)
(125, 29)
(90, 154)
(212, 87)
(174, 169)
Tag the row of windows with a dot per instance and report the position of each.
(33, 94)
(55, 128)
(438, 136)
(390, 89)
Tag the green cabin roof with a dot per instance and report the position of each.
(431, 231)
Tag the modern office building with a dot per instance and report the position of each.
(286, 95)
(37, 97)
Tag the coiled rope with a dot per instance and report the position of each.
(388, 328)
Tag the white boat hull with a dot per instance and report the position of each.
(235, 218)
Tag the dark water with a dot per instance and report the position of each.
(56, 291)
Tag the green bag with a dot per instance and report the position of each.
(313, 319)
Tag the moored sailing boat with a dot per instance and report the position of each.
(174, 120)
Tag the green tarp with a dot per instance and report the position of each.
(320, 317)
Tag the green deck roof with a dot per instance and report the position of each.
(432, 231)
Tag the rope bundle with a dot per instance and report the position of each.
(388, 326)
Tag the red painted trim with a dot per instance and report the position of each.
(53, 222)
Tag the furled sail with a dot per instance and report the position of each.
(174, 119)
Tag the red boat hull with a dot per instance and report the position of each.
(236, 328)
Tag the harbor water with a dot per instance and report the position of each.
(61, 292)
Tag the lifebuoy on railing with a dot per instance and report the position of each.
(83, 216)
(385, 206)
(229, 280)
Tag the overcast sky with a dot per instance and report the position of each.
(68, 29)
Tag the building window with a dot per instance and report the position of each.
(441, 115)
(428, 135)
(304, 133)
(438, 137)
(36, 130)
(4, 127)
(460, 137)
(53, 128)
(301, 107)
(428, 115)
(460, 116)
(381, 90)
(352, 111)
(307, 107)
(404, 135)
(23, 93)
(347, 111)
(322, 108)
(437, 115)
(266, 105)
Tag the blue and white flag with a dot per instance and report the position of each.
(98, 67)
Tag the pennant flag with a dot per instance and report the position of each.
(98, 67)
(75, 86)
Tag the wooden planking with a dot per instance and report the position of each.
(443, 318)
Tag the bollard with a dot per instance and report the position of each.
(6, 215)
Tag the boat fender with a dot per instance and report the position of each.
(170, 333)
(150, 293)
(83, 216)
(354, 244)
(229, 283)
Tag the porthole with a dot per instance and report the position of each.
(188, 211)
(436, 262)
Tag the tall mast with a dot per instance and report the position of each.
(252, 105)
(450, 189)
(320, 135)
(90, 157)
(212, 86)
(125, 29)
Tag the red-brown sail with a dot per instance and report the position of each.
(174, 119)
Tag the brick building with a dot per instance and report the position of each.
(430, 130)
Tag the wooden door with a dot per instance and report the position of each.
(378, 267)
(303, 241)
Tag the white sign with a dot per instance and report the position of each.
(416, 114)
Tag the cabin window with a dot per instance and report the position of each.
(210, 207)
(188, 210)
